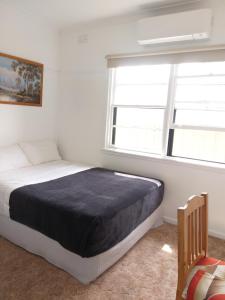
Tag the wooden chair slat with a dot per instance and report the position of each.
(200, 229)
(196, 232)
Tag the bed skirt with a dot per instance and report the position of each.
(83, 269)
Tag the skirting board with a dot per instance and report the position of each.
(214, 233)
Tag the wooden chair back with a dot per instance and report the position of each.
(192, 236)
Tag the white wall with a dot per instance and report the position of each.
(29, 37)
(83, 110)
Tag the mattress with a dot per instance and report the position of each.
(88, 212)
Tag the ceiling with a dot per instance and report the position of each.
(64, 13)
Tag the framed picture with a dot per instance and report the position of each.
(21, 81)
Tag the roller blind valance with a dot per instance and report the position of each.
(171, 57)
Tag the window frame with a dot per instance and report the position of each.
(169, 125)
(110, 115)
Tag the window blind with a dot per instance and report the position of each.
(211, 54)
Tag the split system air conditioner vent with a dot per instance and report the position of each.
(184, 26)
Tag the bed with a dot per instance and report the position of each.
(94, 243)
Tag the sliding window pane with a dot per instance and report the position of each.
(139, 129)
(142, 75)
(193, 69)
(204, 90)
(200, 118)
(141, 94)
(140, 118)
(142, 140)
(202, 145)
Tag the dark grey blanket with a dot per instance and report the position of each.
(88, 212)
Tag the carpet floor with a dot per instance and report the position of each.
(147, 271)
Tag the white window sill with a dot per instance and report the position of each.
(210, 166)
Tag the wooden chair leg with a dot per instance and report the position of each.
(179, 295)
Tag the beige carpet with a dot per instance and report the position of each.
(148, 271)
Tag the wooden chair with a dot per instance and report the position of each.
(192, 237)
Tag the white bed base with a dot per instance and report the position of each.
(83, 269)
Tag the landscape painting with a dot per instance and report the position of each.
(21, 81)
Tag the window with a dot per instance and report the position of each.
(169, 110)
(138, 108)
(198, 129)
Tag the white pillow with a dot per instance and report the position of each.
(12, 157)
(40, 151)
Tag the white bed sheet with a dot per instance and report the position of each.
(12, 179)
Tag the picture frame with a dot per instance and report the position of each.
(21, 81)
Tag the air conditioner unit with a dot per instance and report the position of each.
(183, 26)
